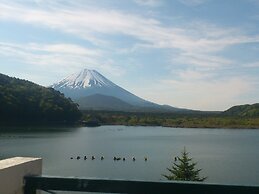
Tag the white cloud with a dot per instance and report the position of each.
(49, 54)
(197, 42)
(88, 23)
(194, 75)
(205, 61)
(251, 65)
(65, 49)
(211, 95)
(193, 2)
(60, 58)
(151, 3)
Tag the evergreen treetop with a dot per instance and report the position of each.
(183, 169)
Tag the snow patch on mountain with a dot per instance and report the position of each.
(84, 79)
(89, 84)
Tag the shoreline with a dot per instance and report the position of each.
(170, 120)
(180, 127)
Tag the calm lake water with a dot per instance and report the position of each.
(225, 155)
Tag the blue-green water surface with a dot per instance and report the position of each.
(226, 156)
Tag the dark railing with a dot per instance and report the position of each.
(46, 183)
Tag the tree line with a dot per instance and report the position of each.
(210, 120)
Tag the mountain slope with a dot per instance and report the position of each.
(84, 79)
(89, 82)
(24, 101)
(102, 102)
(243, 110)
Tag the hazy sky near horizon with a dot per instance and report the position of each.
(197, 54)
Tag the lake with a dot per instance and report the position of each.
(226, 156)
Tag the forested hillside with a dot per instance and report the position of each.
(23, 101)
(244, 110)
(182, 120)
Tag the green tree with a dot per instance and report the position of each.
(183, 169)
(22, 101)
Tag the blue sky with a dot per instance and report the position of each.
(198, 54)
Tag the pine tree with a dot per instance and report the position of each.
(183, 169)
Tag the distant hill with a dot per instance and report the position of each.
(110, 103)
(243, 110)
(24, 101)
(80, 86)
(103, 102)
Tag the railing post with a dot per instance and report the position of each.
(29, 188)
(12, 172)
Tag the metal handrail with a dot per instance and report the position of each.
(50, 183)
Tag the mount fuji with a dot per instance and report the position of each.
(91, 90)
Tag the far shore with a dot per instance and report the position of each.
(183, 127)
(213, 121)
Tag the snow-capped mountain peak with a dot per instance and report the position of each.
(84, 79)
(92, 90)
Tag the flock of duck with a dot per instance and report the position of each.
(102, 158)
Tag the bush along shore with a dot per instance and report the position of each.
(218, 120)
